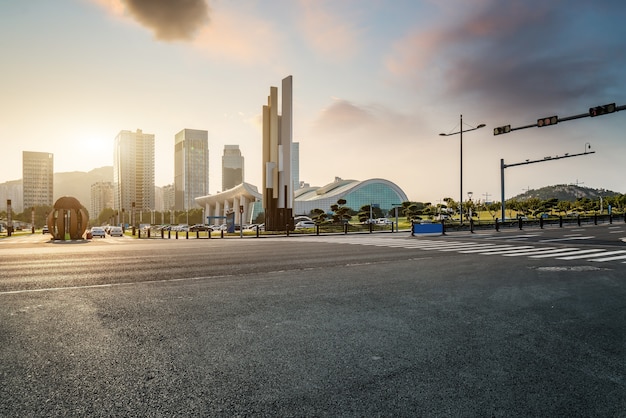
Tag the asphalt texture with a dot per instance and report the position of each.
(281, 327)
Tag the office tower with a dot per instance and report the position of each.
(191, 167)
(37, 179)
(133, 172)
(295, 165)
(101, 198)
(232, 167)
(169, 199)
(277, 140)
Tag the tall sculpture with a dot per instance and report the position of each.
(68, 219)
(277, 142)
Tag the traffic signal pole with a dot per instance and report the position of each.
(544, 160)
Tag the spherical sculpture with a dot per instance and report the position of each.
(68, 219)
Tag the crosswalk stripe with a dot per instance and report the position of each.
(602, 254)
(567, 253)
(485, 248)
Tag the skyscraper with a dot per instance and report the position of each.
(101, 198)
(37, 178)
(191, 167)
(133, 171)
(232, 167)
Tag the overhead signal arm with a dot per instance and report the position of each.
(553, 120)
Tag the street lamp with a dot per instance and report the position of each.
(460, 132)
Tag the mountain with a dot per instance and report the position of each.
(567, 192)
(78, 183)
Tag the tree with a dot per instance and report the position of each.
(106, 215)
(341, 213)
(318, 216)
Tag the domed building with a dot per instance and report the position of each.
(357, 194)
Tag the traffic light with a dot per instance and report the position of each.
(502, 130)
(551, 120)
(602, 110)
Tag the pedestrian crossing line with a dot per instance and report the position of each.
(506, 251)
(491, 250)
(566, 254)
(567, 239)
(602, 254)
(614, 258)
(546, 250)
(470, 247)
(513, 237)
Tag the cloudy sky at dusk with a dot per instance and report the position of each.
(375, 82)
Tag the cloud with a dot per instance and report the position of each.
(169, 20)
(327, 33)
(238, 37)
(516, 54)
(369, 124)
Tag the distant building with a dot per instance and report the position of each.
(13, 191)
(133, 171)
(168, 197)
(101, 198)
(191, 167)
(37, 179)
(232, 167)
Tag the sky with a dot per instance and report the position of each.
(375, 82)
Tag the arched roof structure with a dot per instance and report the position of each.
(376, 191)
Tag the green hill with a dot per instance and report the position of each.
(566, 192)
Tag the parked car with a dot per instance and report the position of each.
(98, 231)
(305, 224)
(200, 227)
(116, 231)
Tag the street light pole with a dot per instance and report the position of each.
(460, 132)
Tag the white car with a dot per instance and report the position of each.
(98, 231)
(305, 224)
(116, 231)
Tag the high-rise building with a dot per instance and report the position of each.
(191, 167)
(169, 197)
(37, 178)
(232, 167)
(133, 171)
(101, 198)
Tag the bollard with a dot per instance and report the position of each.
(497, 225)
(595, 219)
(257, 231)
(519, 222)
(287, 228)
(177, 234)
(345, 229)
(139, 233)
(472, 225)
(370, 224)
(187, 234)
(162, 233)
(541, 222)
(443, 227)
(412, 229)
(578, 220)
(197, 234)
(169, 234)
(317, 230)
(221, 233)
(148, 232)
(560, 221)
(610, 218)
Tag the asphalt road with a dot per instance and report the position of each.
(370, 325)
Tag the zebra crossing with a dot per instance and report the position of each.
(599, 255)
